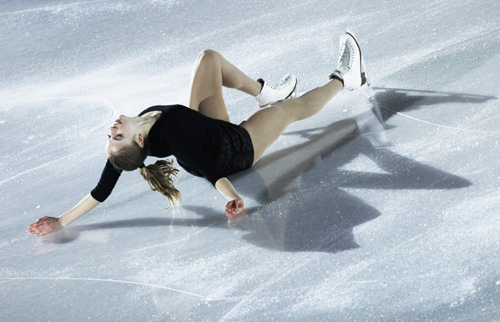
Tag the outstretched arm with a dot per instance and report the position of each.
(235, 205)
(48, 225)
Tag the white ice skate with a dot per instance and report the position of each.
(350, 68)
(270, 94)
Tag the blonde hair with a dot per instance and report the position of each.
(158, 175)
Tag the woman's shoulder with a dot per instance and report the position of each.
(165, 109)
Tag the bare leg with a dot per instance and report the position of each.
(211, 72)
(266, 125)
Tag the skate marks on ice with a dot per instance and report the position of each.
(287, 223)
(290, 182)
(109, 280)
(302, 181)
(287, 183)
(394, 101)
(91, 233)
(51, 124)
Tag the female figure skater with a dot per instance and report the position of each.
(201, 137)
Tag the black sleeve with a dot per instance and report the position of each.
(108, 180)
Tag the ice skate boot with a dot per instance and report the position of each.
(350, 68)
(270, 94)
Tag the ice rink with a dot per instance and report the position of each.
(402, 225)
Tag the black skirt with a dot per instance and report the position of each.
(236, 150)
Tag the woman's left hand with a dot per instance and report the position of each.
(234, 208)
(44, 226)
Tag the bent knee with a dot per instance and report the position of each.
(208, 55)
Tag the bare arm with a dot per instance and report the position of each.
(85, 205)
(235, 205)
(47, 225)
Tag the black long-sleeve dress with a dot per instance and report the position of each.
(203, 146)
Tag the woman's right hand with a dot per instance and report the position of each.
(234, 208)
(44, 226)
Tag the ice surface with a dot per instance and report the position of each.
(401, 225)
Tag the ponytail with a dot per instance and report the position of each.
(159, 176)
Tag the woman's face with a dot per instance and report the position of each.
(122, 133)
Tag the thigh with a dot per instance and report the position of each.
(266, 125)
(206, 87)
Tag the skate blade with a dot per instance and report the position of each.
(293, 94)
(364, 74)
(365, 80)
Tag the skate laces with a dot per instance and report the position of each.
(283, 83)
(346, 58)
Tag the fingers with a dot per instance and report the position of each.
(230, 209)
(36, 230)
(234, 208)
(40, 228)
